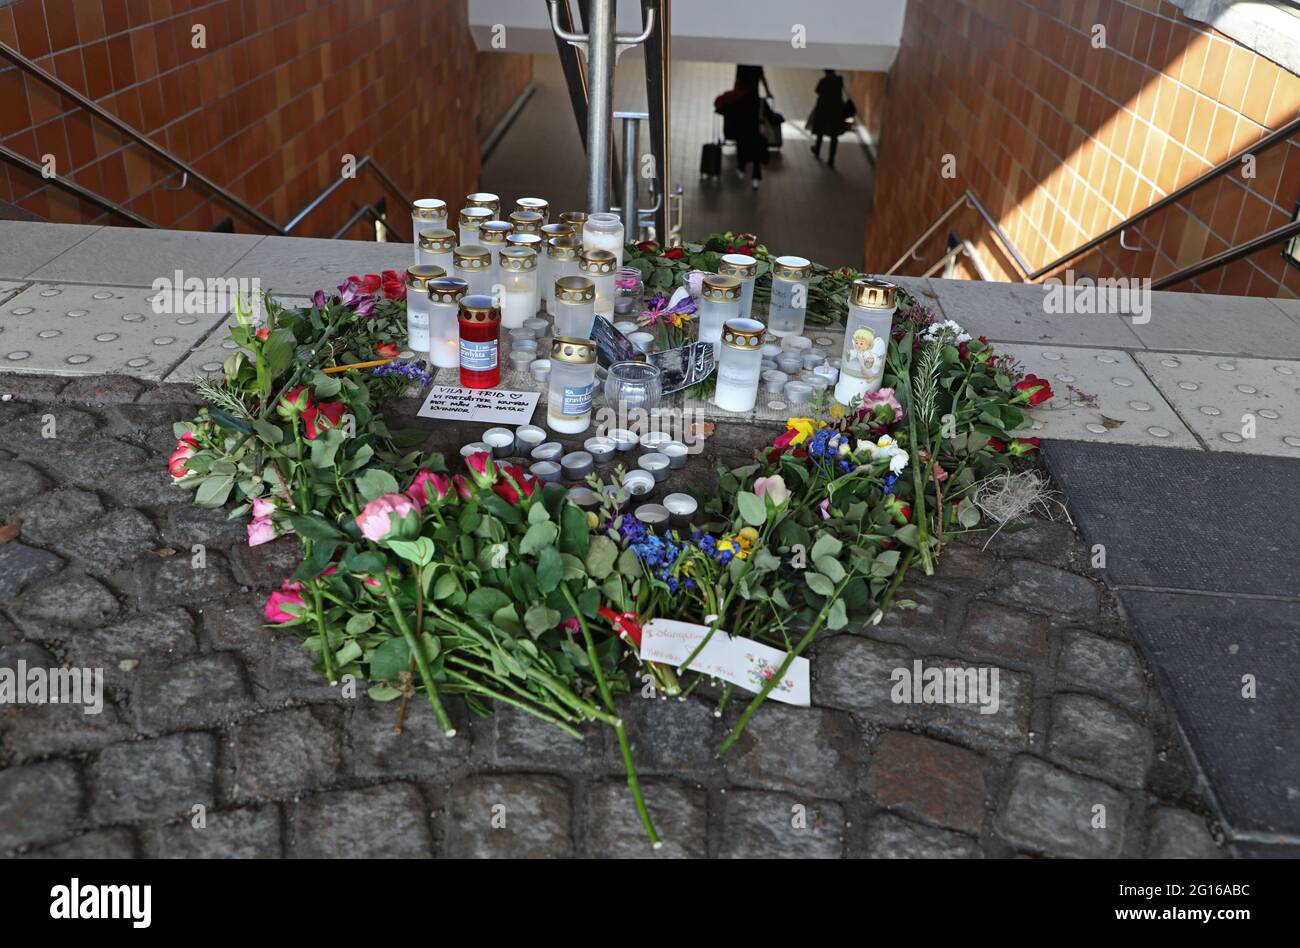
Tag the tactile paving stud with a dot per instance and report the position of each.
(71, 329)
(1101, 395)
(1250, 406)
(208, 354)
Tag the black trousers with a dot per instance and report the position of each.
(835, 143)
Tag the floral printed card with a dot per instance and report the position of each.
(740, 661)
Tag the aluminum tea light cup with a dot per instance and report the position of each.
(653, 515)
(501, 441)
(653, 441)
(528, 437)
(654, 462)
(577, 465)
(540, 369)
(475, 447)
(681, 508)
(600, 448)
(627, 327)
(774, 382)
(813, 358)
(791, 363)
(549, 451)
(797, 393)
(795, 344)
(624, 440)
(644, 341)
(521, 360)
(522, 332)
(639, 483)
(585, 498)
(524, 344)
(538, 326)
(677, 454)
(547, 471)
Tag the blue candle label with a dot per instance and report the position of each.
(577, 400)
(478, 356)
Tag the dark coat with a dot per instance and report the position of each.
(743, 121)
(828, 114)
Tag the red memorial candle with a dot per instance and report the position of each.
(480, 342)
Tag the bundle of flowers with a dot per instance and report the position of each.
(486, 586)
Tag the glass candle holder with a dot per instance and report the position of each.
(573, 380)
(470, 220)
(417, 305)
(539, 205)
(575, 307)
(577, 220)
(527, 222)
(426, 213)
(629, 290)
(480, 342)
(492, 235)
(604, 231)
(719, 303)
(546, 268)
(867, 330)
(531, 241)
(473, 264)
(745, 269)
(599, 266)
(562, 258)
(739, 365)
(633, 386)
(485, 199)
(435, 248)
(518, 268)
(445, 294)
(789, 304)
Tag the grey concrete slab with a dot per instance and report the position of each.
(1228, 667)
(1018, 312)
(1219, 325)
(1290, 307)
(1249, 406)
(10, 288)
(126, 256)
(27, 245)
(300, 266)
(71, 329)
(1189, 520)
(208, 354)
(1100, 395)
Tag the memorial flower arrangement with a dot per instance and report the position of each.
(486, 586)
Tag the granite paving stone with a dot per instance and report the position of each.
(1178, 834)
(929, 780)
(761, 825)
(1056, 813)
(854, 674)
(1035, 586)
(890, 837)
(68, 601)
(1097, 738)
(191, 693)
(153, 779)
(805, 749)
(297, 266)
(98, 844)
(1012, 634)
(1000, 723)
(679, 812)
(375, 750)
(280, 754)
(1013, 312)
(385, 822)
(22, 565)
(508, 816)
(247, 833)
(38, 802)
(1219, 325)
(1102, 666)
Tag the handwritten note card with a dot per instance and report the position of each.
(740, 661)
(490, 406)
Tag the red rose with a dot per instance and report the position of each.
(295, 401)
(1023, 446)
(999, 446)
(388, 350)
(1038, 390)
(512, 476)
(184, 451)
(263, 334)
(675, 253)
(648, 246)
(370, 283)
(321, 418)
(904, 516)
(394, 285)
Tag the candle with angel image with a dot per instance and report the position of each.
(866, 338)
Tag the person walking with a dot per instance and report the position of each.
(746, 114)
(827, 119)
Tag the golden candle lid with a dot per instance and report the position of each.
(418, 277)
(429, 209)
(540, 205)
(747, 334)
(575, 351)
(574, 290)
(792, 268)
(738, 265)
(518, 259)
(526, 240)
(478, 308)
(474, 215)
(527, 222)
(447, 289)
(597, 261)
(471, 257)
(495, 232)
(720, 289)
(562, 248)
(575, 219)
(437, 240)
(483, 199)
(874, 293)
(556, 230)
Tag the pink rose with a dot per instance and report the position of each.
(288, 595)
(376, 519)
(462, 486)
(261, 530)
(262, 508)
(427, 487)
(481, 469)
(772, 488)
(176, 462)
(367, 580)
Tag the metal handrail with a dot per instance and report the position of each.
(1231, 255)
(320, 199)
(73, 188)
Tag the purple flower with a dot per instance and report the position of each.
(318, 299)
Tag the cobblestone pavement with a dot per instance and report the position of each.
(209, 708)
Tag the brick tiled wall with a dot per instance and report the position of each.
(282, 91)
(1062, 140)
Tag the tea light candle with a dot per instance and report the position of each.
(435, 247)
(475, 447)
(813, 358)
(681, 509)
(677, 454)
(638, 483)
(739, 365)
(771, 351)
(828, 372)
(540, 369)
(577, 465)
(604, 232)
(572, 385)
(574, 307)
(501, 441)
(601, 449)
(796, 344)
(480, 342)
(789, 303)
(537, 326)
(655, 463)
(445, 294)
(470, 220)
(547, 471)
(797, 392)
(652, 515)
(426, 213)
(517, 268)
(585, 498)
(643, 341)
(522, 332)
(549, 451)
(819, 382)
(599, 266)
(526, 344)
(790, 363)
(624, 440)
(521, 360)
(653, 441)
(774, 382)
(627, 327)
(528, 437)
(473, 264)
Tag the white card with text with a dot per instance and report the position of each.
(489, 406)
(740, 661)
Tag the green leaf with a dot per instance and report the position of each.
(361, 623)
(390, 660)
(838, 616)
(445, 587)
(501, 508)
(752, 508)
(550, 569)
(830, 568)
(601, 556)
(826, 545)
(539, 535)
(537, 514)
(819, 583)
(486, 600)
(383, 693)
(575, 538)
(278, 350)
(312, 527)
(507, 619)
(907, 535)
(885, 563)
(324, 448)
(268, 432)
(541, 619)
(419, 552)
(214, 491)
(375, 483)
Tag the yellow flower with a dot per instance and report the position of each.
(592, 521)
(805, 427)
(837, 412)
(749, 534)
(725, 545)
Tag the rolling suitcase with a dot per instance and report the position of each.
(711, 160)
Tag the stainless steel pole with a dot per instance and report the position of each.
(631, 162)
(600, 110)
